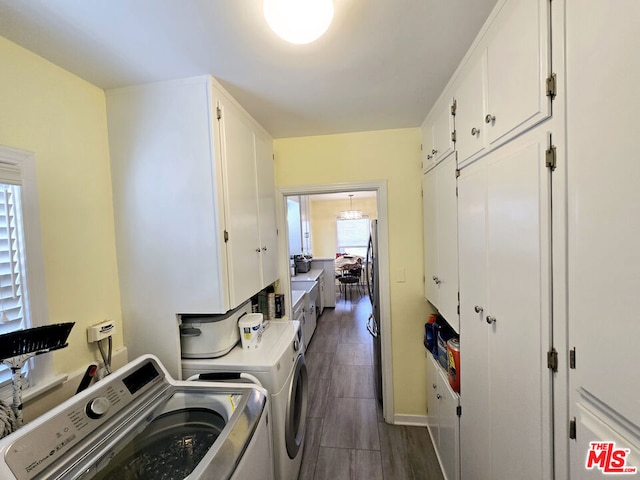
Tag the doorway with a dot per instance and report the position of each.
(376, 192)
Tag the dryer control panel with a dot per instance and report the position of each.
(42, 444)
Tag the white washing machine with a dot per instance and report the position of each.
(279, 365)
(139, 423)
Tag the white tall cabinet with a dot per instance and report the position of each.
(194, 207)
(440, 234)
(603, 175)
(505, 321)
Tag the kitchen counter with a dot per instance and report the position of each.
(311, 276)
(296, 297)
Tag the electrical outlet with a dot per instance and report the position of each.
(102, 330)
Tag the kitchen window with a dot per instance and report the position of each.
(353, 236)
(22, 293)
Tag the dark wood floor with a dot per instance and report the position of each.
(347, 437)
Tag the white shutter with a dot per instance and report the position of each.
(11, 299)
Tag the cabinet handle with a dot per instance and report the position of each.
(475, 131)
(491, 320)
(478, 309)
(437, 280)
(489, 118)
(438, 396)
(434, 386)
(434, 151)
(429, 157)
(264, 249)
(257, 250)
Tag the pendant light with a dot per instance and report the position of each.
(298, 21)
(351, 214)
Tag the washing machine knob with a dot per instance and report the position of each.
(97, 407)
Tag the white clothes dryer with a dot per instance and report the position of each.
(140, 423)
(279, 365)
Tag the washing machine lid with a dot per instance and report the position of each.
(133, 423)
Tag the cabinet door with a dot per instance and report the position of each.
(429, 205)
(433, 405)
(604, 224)
(517, 67)
(475, 424)
(442, 129)
(427, 145)
(449, 443)
(447, 234)
(470, 126)
(241, 208)
(518, 299)
(267, 208)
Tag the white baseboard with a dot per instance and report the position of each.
(410, 420)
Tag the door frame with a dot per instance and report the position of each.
(380, 187)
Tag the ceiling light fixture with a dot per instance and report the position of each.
(298, 21)
(351, 214)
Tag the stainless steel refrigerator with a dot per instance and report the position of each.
(373, 324)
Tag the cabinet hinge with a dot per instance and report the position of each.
(218, 113)
(550, 157)
(459, 410)
(572, 428)
(226, 236)
(552, 360)
(572, 358)
(453, 136)
(457, 173)
(454, 107)
(551, 86)
(421, 147)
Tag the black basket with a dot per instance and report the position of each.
(35, 340)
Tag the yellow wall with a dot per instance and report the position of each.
(394, 156)
(323, 222)
(62, 119)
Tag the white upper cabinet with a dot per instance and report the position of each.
(502, 90)
(194, 206)
(517, 68)
(266, 204)
(437, 131)
(469, 96)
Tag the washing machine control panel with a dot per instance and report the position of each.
(47, 441)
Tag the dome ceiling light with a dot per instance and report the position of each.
(298, 21)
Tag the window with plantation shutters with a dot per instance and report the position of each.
(22, 291)
(11, 302)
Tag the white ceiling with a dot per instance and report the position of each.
(381, 65)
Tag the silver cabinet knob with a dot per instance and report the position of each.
(489, 118)
(264, 249)
(434, 151)
(475, 131)
(434, 386)
(438, 396)
(478, 309)
(429, 157)
(258, 250)
(491, 320)
(437, 280)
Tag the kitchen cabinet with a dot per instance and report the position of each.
(328, 266)
(442, 419)
(437, 130)
(603, 228)
(440, 239)
(192, 204)
(502, 91)
(505, 324)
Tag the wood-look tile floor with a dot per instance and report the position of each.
(347, 437)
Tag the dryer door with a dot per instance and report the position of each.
(296, 416)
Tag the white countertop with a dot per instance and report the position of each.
(311, 276)
(296, 297)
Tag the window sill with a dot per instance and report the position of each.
(32, 393)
